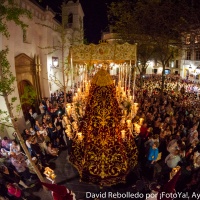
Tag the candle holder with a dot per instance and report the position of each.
(49, 173)
(174, 171)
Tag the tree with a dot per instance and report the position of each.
(9, 11)
(29, 96)
(64, 43)
(64, 65)
(161, 21)
(145, 53)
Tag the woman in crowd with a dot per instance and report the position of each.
(41, 141)
(11, 176)
(52, 151)
(37, 125)
(19, 162)
(5, 144)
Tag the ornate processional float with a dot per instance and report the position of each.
(99, 121)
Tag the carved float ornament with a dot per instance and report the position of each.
(111, 52)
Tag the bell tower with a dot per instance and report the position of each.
(72, 19)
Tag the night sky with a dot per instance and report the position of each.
(95, 20)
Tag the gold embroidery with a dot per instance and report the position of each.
(103, 157)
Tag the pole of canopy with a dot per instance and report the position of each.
(129, 79)
(72, 71)
(134, 72)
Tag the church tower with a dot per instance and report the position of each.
(72, 19)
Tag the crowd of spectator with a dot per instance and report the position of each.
(169, 136)
(170, 133)
(44, 139)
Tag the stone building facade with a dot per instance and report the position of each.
(31, 52)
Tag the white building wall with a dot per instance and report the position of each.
(37, 36)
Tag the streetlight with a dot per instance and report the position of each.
(55, 62)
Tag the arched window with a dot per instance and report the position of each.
(70, 18)
(187, 39)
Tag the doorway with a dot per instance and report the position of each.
(27, 97)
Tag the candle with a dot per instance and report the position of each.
(123, 134)
(125, 78)
(129, 83)
(135, 104)
(80, 136)
(53, 176)
(128, 123)
(123, 120)
(141, 121)
(125, 112)
(137, 128)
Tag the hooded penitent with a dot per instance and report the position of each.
(59, 192)
(168, 188)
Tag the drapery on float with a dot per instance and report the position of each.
(106, 152)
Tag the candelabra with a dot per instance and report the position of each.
(76, 110)
(129, 110)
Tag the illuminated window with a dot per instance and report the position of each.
(187, 40)
(197, 39)
(188, 55)
(197, 54)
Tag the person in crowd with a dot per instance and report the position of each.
(42, 108)
(26, 134)
(11, 176)
(37, 152)
(14, 147)
(52, 132)
(44, 122)
(31, 117)
(60, 136)
(15, 191)
(194, 138)
(52, 151)
(196, 159)
(28, 144)
(19, 162)
(32, 131)
(5, 144)
(48, 105)
(58, 121)
(153, 153)
(37, 125)
(3, 192)
(143, 132)
(152, 165)
(42, 131)
(172, 146)
(173, 159)
(41, 141)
